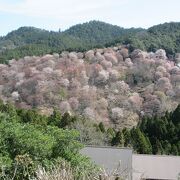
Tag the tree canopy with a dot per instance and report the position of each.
(33, 41)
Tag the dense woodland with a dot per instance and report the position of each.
(164, 36)
(109, 85)
(29, 140)
(33, 41)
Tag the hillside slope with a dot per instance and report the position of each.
(108, 85)
(99, 33)
(165, 36)
(34, 41)
(81, 37)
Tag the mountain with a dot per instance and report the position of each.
(93, 32)
(34, 41)
(96, 32)
(82, 37)
(165, 36)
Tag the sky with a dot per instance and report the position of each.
(61, 14)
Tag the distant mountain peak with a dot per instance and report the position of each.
(29, 40)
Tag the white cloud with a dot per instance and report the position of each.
(65, 12)
(56, 8)
(52, 14)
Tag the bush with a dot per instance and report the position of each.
(26, 143)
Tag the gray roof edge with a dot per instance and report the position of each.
(128, 148)
(157, 155)
(111, 147)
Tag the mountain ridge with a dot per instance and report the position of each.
(81, 37)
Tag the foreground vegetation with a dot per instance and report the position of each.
(29, 140)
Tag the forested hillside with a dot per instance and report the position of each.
(155, 135)
(109, 85)
(81, 37)
(96, 33)
(34, 41)
(165, 36)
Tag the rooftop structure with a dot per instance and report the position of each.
(135, 166)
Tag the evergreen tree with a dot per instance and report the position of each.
(157, 148)
(176, 115)
(174, 150)
(167, 147)
(101, 127)
(140, 142)
(111, 132)
(66, 120)
(55, 118)
(127, 137)
(118, 140)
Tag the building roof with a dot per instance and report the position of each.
(138, 166)
(155, 167)
(111, 159)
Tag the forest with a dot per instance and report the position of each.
(82, 37)
(109, 85)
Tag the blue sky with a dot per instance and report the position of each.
(55, 14)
